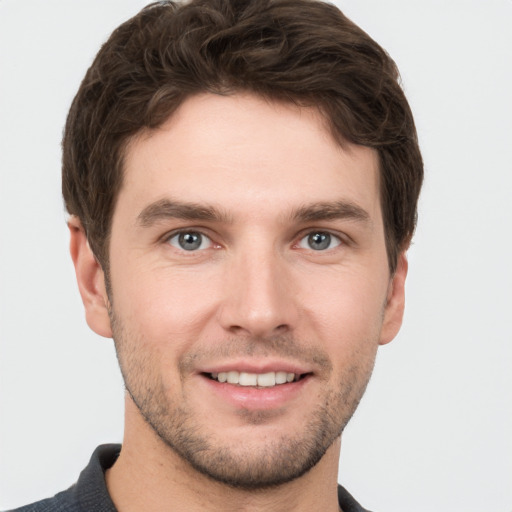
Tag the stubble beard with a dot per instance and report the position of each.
(278, 460)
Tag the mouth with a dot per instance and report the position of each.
(256, 386)
(257, 380)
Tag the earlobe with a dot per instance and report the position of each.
(395, 303)
(91, 280)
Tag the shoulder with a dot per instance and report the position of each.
(89, 493)
(347, 502)
(64, 501)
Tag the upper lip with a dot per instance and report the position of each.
(257, 367)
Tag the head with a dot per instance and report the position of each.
(245, 178)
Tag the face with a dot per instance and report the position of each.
(249, 285)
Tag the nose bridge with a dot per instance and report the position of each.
(258, 297)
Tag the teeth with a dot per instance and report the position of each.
(264, 380)
(267, 380)
(248, 379)
(233, 377)
(280, 377)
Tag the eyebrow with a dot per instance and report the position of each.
(173, 209)
(331, 211)
(168, 209)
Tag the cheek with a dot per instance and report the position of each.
(161, 317)
(164, 306)
(347, 308)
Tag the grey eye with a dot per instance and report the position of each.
(319, 241)
(190, 241)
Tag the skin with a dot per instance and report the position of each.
(255, 179)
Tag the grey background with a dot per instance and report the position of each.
(434, 431)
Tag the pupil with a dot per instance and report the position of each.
(319, 241)
(190, 241)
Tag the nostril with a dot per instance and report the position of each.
(237, 329)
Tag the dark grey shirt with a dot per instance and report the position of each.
(90, 493)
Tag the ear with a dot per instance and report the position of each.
(395, 302)
(90, 279)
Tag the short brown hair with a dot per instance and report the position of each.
(301, 51)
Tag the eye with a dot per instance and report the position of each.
(190, 241)
(319, 241)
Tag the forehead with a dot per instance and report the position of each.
(246, 153)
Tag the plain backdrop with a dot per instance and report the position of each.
(434, 431)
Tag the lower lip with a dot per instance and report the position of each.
(248, 397)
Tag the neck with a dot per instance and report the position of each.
(150, 476)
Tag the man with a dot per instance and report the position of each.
(242, 180)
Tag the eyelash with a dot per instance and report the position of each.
(331, 237)
(339, 240)
(183, 232)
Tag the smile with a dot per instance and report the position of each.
(265, 380)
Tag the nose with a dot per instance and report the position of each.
(259, 298)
